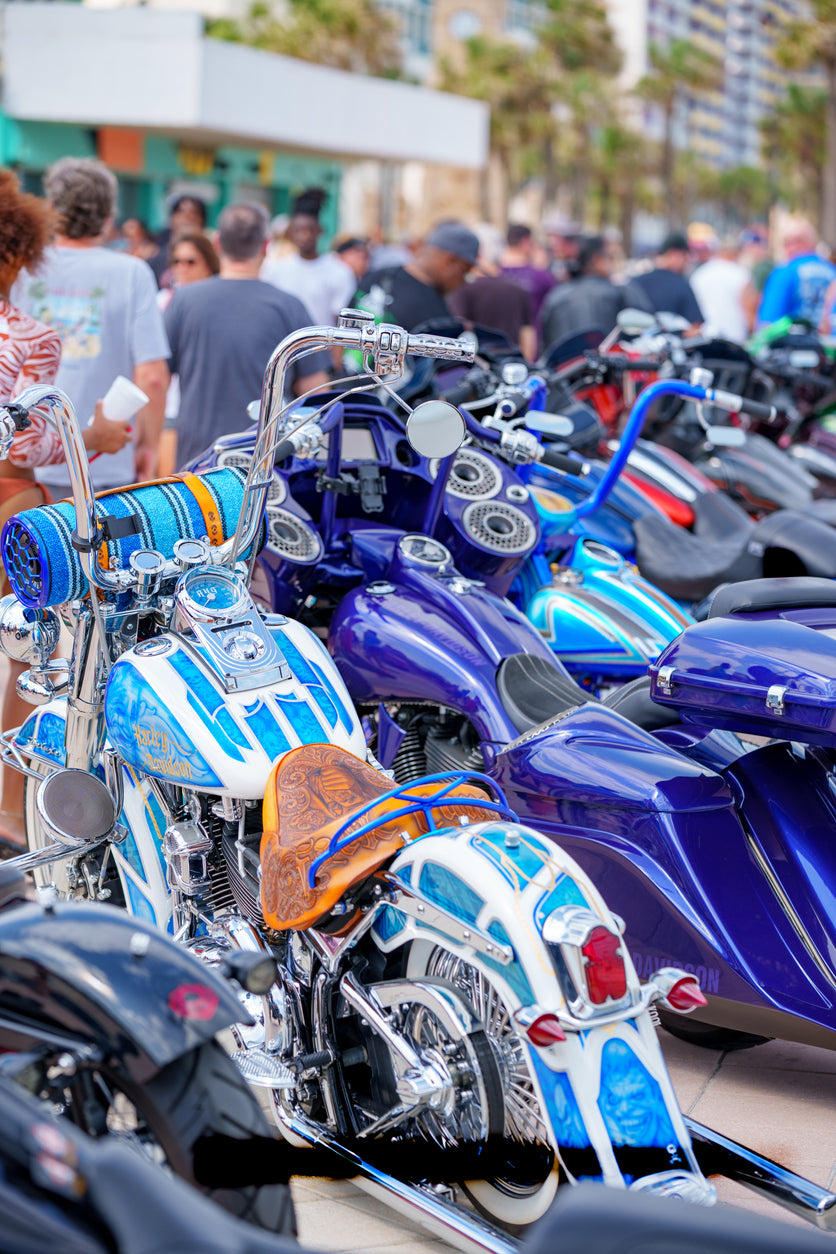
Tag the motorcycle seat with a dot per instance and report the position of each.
(311, 792)
(533, 689)
(755, 596)
(688, 566)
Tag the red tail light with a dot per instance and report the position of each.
(686, 994)
(605, 974)
(545, 1030)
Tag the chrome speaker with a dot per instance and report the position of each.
(27, 635)
(498, 526)
(292, 538)
(238, 459)
(75, 808)
(474, 477)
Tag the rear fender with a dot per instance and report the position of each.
(100, 977)
(605, 1088)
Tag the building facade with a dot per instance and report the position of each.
(721, 127)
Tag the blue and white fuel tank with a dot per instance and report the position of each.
(212, 704)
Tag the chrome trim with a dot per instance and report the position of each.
(788, 909)
(462, 1229)
(782, 1186)
(413, 903)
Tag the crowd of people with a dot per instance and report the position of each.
(192, 316)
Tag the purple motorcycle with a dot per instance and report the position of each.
(716, 850)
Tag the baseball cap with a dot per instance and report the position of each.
(674, 241)
(455, 238)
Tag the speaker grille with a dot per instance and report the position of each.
(500, 527)
(294, 539)
(474, 477)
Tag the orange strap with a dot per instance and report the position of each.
(207, 506)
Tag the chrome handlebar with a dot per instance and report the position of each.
(384, 350)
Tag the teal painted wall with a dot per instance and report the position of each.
(272, 177)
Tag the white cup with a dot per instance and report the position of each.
(123, 400)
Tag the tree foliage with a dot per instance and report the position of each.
(344, 34)
(678, 68)
(804, 43)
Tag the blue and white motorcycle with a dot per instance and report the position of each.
(445, 974)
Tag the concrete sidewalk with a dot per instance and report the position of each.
(777, 1098)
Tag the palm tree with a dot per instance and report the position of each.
(621, 159)
(346, 34)
(678, 68)
(579, 41)
(794, 141)
(519, 86)
(812, 42)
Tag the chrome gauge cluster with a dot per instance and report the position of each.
(215, 606)
(421, 550)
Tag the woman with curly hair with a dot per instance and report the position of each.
(30, 352)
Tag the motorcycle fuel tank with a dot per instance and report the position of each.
(172, 713)
(601, 617)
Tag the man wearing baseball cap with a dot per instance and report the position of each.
(415, 292)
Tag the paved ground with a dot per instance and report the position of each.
(777, 1098)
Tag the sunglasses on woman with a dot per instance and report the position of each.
(185, 261)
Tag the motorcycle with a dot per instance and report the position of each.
(112, 1024)
(445, 974)
(623, 785)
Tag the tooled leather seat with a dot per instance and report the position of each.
(310, 793)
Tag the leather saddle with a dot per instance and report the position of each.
(310, 793)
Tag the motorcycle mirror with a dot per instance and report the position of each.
(726, 437)
(253, 410)
(635, 321)
(804, 358)
(549, 424)
(672, 322)
(435, 429)
(255, 972)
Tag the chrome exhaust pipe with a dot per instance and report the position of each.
(460, 1228)
(718, 1155)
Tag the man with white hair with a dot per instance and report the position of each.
(798, 288)
(718, 286)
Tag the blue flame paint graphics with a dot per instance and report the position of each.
(302, 719)
(264, 725)
(148, 735)
(208, 704)
(43, 734)
(450, 892)
(630, 1100)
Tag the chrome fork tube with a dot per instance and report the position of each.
(85, 695)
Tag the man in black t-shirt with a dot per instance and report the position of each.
(413, 293)
(666, 287)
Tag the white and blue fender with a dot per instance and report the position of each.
(605, 1088)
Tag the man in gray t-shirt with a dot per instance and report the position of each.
(222, 332)
(103, 305)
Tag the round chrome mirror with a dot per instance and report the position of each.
(75, 808)
(726, 437)
(550, 424)
(253, 410)
(635, 320)
(435, 429)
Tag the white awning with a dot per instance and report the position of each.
(154, 69)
